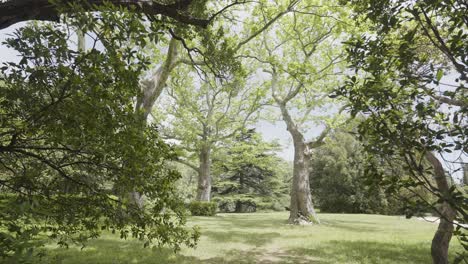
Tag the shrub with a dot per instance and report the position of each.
(225, 205)
(246, 206)
(236, 204)
(202, 208)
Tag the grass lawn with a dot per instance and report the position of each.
(266, 238)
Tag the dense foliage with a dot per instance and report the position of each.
(338, 179)
(248, 179)
(342, 186)
(402, 68)
(203, 208)
(81, 149)
(72, 146)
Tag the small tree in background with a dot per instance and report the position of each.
(342, 186)
(248, 179)
(200, 115)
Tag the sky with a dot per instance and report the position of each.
(5, 53)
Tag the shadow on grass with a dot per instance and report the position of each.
(366, 252)
(354, 226)
(114, 252)
(257, 223)
(255, 239)
(241, 221)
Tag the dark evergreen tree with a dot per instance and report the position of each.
(247, 178)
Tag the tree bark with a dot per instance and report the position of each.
(443, 235)
(301, 208)
(204, 174)
(153, 87)
(137, 199)
(465, 174)
(14, 11)
(151, 90)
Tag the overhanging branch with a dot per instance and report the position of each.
(15, 11)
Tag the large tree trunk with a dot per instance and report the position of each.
(153, 87)
(204, 174)
(301, 207)
(441, 240)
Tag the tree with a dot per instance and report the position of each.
(211, 51)
(208, 45)
(341, 185)
(67, 119)
(247, 177)
(302, 61)
(201, 114)
(411, 112)
(337, 174)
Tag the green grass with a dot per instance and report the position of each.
(266, 238)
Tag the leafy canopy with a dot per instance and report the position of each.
(402, 68)
(71, 144)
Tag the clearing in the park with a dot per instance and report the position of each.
(267, 238)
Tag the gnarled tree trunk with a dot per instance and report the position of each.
(204, 174)
(302, 209)
(443, 235)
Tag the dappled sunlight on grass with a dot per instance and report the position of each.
(267, 238)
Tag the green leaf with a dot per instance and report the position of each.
(440, 74)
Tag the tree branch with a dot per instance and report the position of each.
(450, 101)
(14, 11)
(320, 139)
(268, 24)
(153, 87)
(188, 164)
